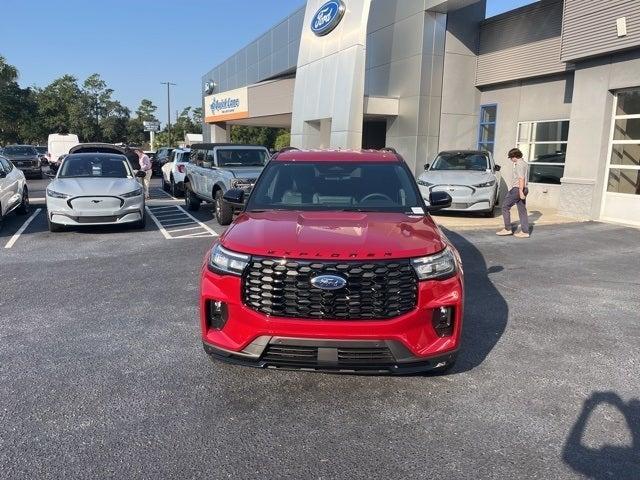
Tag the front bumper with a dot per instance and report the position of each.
(61, 213)
(465, 199)
(404, 344)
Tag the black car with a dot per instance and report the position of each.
(163, 155)
(25, 158)
(42, 153)
(131, 155)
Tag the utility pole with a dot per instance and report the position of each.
(168, 84)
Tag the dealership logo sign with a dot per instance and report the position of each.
(328, 17)
(224, 105)
(329, 282)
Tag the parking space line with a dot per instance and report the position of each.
(169, 216)
(184, 229)
(179, 224)
(206, 227)
(24, 226)
(158, 224)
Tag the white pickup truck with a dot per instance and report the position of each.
(214, 168)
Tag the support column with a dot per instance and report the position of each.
(220, 132)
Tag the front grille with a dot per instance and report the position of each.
(374, 290)
(341, 357)
(103, 219)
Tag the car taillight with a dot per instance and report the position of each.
(181, 168)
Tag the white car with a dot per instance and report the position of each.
(173, 172)
(95, 189)
(470, 177)
(14, 194)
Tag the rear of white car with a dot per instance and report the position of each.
(95, 189)
(173, 172)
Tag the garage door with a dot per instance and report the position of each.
(622, 195)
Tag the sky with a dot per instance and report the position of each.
(137, 44)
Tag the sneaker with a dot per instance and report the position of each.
(504, 232)
(521, 235)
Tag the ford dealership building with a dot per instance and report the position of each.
(558, 79)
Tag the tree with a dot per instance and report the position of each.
(265, 136)
(17, 107)
(146, 111)
(283, 140)
(8, 73)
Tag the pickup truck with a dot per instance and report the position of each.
(215, 168)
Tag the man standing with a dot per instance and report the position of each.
(517, 196)
(145, 166)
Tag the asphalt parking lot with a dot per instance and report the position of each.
(103, 375)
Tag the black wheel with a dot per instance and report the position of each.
(24, 207)
(142, 223)
(224, 211)
(175, 191)
(192, 202)
(54, 227)
(1, 218)
(488, 214)
(165, 185)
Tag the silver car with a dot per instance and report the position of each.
(95, 189)
(469, 176)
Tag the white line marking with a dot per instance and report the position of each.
(195, 235)
(158, 224)
(179, 224)
(206, 227)
(24, 226)
(169, 216)
(184, 229)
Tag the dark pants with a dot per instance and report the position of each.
(513, 198)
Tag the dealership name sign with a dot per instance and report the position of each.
(327, 17)
(231, 105)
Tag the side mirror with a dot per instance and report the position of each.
(438, 201)
(235, 197)
(497, 168)
(426, 166)
(141, 174)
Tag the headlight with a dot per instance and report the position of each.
(439, 266)
(424, 183)
(226, 261)
(54, 194)
(135, 193)
(486, 184)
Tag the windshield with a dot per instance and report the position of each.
(461, 161)
(368, 187)
(237, 157)
(20, 150)
(103, 166)
(41, 150)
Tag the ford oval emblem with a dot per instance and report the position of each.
(327, 17)
(329, 282)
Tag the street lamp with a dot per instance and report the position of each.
(168, 84)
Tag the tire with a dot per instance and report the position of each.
(174, 190)
(191, 201)
(24, 207)
(224, 211)
(165, 185)
(488, 214)
(54, 227)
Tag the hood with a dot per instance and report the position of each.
(20, 158)
(334, 235)
(94, 186)
(244, 172)
(457, 177)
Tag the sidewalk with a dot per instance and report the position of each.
(470, 221)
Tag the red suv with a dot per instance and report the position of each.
(334, 264)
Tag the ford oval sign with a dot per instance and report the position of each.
(329, 282)
(327, 17)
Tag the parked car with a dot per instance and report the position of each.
(161, 157)
(14, 193)
(469, 176)
(215, 168)
(24, 157)
(128, 152)
(43, 153)
(173, 172)
(95, 189)
(59, 144)
(334, 264)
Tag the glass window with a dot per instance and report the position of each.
(242, 157)
(544, 146)
(627, 129)
(626, 154)
(629, 102)
(6, 164)
(20, 150)
(461, 161)
(487, 134)
(88, 166)
(624, 181)
(324, 186)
